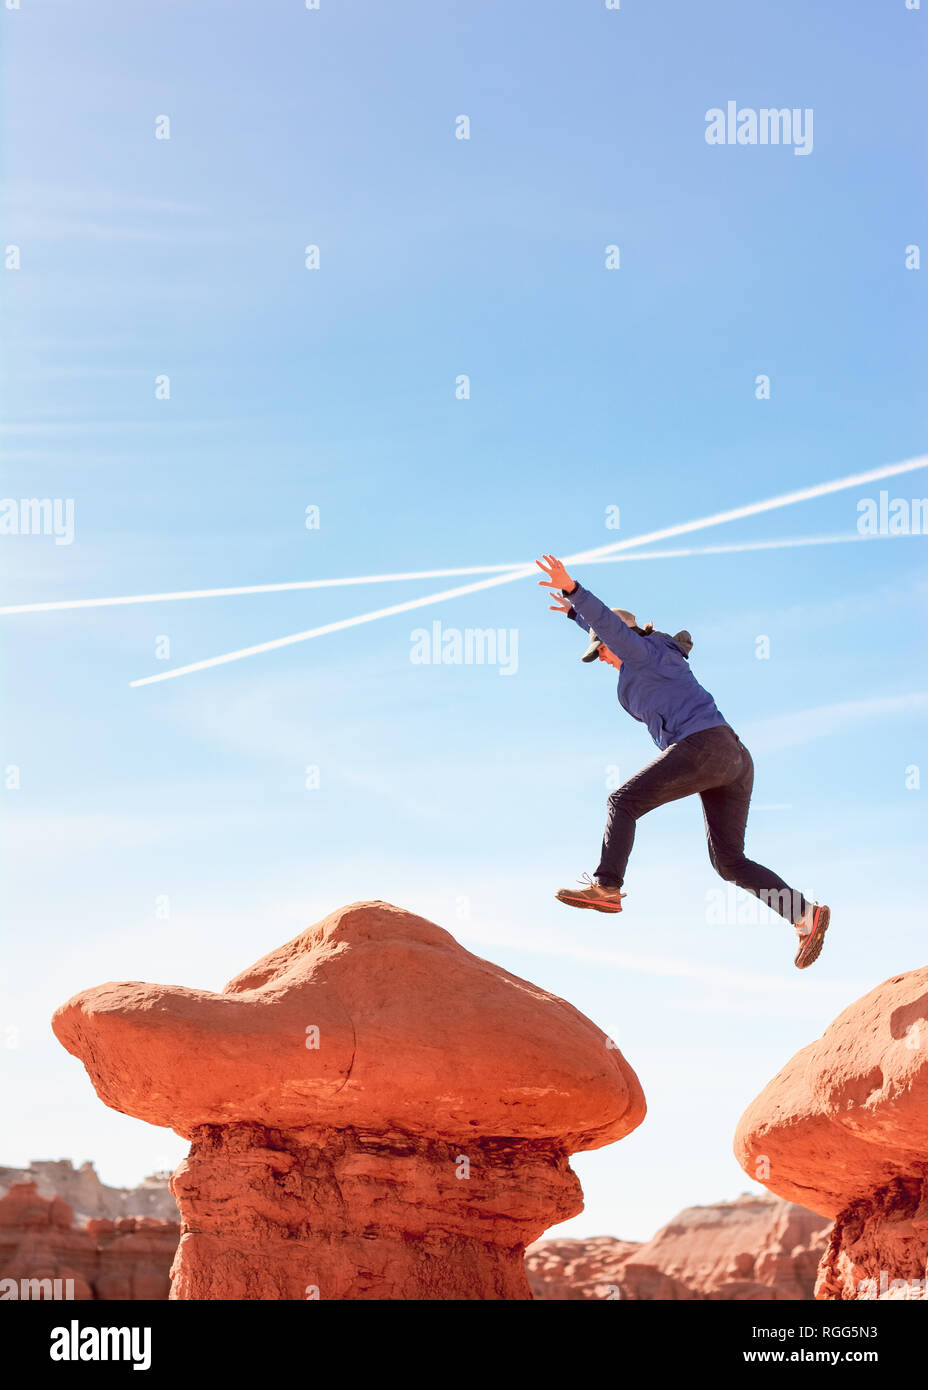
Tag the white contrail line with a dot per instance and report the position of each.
(60, 605)
(336, 626)
(734, 514)
(781, 543)
(786, 499)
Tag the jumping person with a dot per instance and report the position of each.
(700, 752)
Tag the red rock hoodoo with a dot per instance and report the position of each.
(754, 1248)
(843, 1129)
(374, 1113)
(43, 1255)
(88, 1197)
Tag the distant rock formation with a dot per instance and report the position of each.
(89, 1198)
(43, 1255)
(756, 1247)
(374, 1112)
(843, 1128)
(565, 1270)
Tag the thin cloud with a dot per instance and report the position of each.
(54, 197)
(77, 229)
(670, 967)
(808, 725)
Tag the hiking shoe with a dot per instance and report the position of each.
(810, 942)
(593, 895)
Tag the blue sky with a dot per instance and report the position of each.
(452, 790)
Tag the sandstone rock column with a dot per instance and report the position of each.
(843, 1129)
(374, 1112)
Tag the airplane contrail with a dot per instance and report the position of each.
(780, 543)
(60, 605)
(681, 528)
(770, 504)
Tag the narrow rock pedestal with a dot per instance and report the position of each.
(269, 1215)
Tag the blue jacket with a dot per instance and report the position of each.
(656, 685)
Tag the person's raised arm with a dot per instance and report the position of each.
(622, 640)
(562, 603)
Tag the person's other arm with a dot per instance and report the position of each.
(627, 644)
(624, 641)
(573, 615)
(561, 602)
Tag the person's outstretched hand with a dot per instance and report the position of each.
(558, 578)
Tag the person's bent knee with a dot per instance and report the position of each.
(620, 803)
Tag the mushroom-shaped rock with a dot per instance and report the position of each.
(374, 1112)
(843, 1129)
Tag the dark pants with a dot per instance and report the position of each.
(716, 764)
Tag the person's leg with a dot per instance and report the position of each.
(687, 767)
(725, 809)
